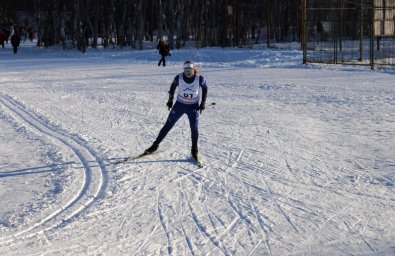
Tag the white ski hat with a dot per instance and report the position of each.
(188, 64)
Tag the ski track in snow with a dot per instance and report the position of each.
(91, 187)
(299, 161)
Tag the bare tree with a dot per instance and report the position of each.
(130, 22)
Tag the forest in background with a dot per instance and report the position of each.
(225, 23)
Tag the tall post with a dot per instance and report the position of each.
(304, 31)
(372, 34)
(335, 38)
(206, 24)
(233, 23)
(341, 25)
(268, 22)
(361, 20)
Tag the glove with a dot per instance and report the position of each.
(202, 107)
(169, 104)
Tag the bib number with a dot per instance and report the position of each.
(188, 96)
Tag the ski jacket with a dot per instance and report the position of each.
(163, 48)
(15, 40)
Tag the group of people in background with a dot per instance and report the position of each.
(16, 35)
(20, 34)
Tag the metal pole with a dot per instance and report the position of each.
(234, 24)
(341, 25)
(361, 33)
(335, 37)
(304, 31)
(268, 22)
(372, 36)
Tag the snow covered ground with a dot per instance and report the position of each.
(300, 160)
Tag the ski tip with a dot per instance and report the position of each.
(124, 160)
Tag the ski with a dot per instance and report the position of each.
(131, 158)
(197, 161)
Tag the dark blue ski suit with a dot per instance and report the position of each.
(187, 103)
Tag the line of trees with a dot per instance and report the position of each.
(130, 22)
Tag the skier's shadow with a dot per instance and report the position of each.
(125, 161)
(37, 170)
(78, 165)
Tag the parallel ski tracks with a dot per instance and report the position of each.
(92, 185)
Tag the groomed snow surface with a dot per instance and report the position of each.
(299, 160)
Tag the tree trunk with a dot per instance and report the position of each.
(172, 22)
(161, 19)
(140, 23)
(179, 19)
(208, 22)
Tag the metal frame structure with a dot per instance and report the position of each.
(357, 32)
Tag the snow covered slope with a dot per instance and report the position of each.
(300, 160)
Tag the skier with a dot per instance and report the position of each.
(189, 82)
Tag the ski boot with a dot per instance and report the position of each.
(195, 153)
(152, 149)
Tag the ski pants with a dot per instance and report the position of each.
(163, 59)
(178, 110)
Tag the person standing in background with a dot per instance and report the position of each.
(164, 51)
(15, 40)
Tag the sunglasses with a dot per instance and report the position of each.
(187, 69)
